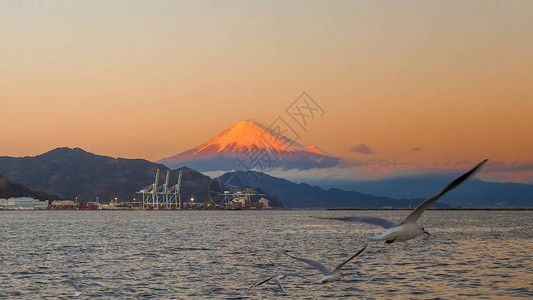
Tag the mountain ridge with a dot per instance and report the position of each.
(74, 172)
(10, 189)
(474, 193)
(303, 195)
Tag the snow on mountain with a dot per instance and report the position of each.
(247, 145)
(245, 136)
(315, 149)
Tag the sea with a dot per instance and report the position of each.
(220, 254)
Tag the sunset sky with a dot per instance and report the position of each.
(416, 85)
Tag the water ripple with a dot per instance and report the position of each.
(200, 255)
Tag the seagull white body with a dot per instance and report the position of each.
(401, 233)
(328, 275)
(77, 287)
(276, 279)
(409, 229)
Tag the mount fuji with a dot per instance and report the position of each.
(247, 146)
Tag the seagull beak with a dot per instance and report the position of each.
(425, 231)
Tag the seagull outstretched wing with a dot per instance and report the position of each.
(71, 282)
(369, 220)
(312, 263)
(346, 261)
(415, 214)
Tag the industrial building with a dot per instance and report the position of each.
(22, 203)
(62, 204)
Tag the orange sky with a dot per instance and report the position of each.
(143, 79)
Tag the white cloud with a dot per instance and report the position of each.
(380, 169)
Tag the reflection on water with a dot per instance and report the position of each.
(203, 254)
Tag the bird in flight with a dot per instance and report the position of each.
(409, 229)
(328, 275)
(77, 287)
(276, 279)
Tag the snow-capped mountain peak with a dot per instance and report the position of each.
(245, 136)
(247, 145)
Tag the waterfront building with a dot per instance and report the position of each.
(22, 203)
(62, 204)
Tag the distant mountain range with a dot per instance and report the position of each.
(306, 196)
(246, 146)
(72, 173)
(473, 193)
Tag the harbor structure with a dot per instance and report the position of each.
(63, 205)
(23, 203)
(163, 196)
(264, 202)
(239, 198)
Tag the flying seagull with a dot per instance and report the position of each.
(77, 287)
(409, 229)
(328, 275)
(276, 279)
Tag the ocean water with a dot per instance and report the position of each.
(219, 254)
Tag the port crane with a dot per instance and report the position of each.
(157, 196)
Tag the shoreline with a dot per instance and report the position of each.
(439, 209)
(287, 209)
